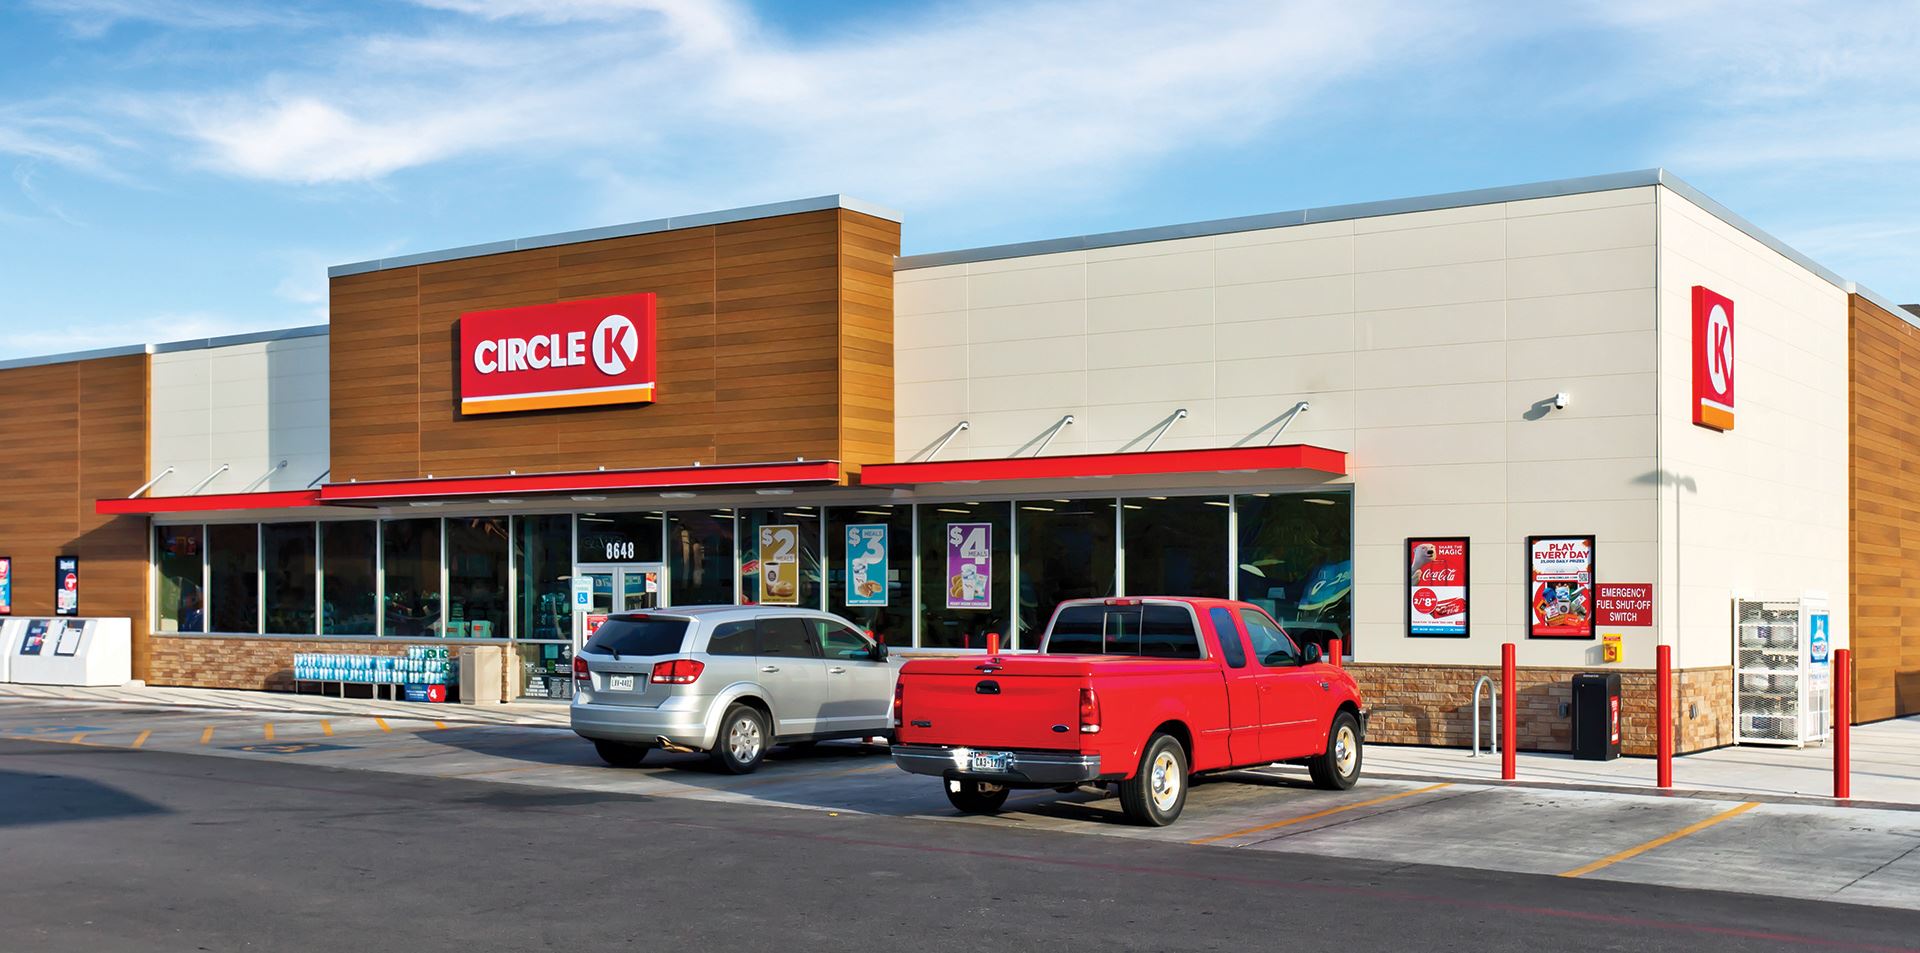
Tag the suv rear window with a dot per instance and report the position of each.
(1148, 631)
(644, 636)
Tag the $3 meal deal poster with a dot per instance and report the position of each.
(1437, 587)
(1560, 587)
(969, 565)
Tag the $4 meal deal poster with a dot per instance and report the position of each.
(1560, 587)
(969, 565)
(1437, 587)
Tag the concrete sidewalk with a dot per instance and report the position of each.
(1886, 768)
(534, 714)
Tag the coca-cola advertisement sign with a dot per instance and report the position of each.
(1437, 587)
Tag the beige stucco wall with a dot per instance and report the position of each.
(248, 405)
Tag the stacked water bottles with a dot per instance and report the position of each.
(422, 665)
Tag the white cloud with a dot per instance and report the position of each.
(92, 18)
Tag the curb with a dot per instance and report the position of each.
(1707, 794)
(448, 714)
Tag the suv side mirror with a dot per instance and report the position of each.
(1310, 654)
(879, 651)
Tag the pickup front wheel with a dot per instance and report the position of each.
(977, 797)
(1156, 793)
(1338, 767)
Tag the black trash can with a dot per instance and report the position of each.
(1596, 716)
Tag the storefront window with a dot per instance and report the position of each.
(700, 557)
(964, 574)
(620, 537)
(477, 577)
(543, 546)
(1066, 552)
(288, 559)
(1176, 546)
(803, 589)
(177, 580)
(885, 569)
(347, 563)
(233, 562)
(546, 670)
(1296, 562)
(411, 549)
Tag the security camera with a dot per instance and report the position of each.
(1560, 401)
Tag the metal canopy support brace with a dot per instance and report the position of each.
(197, 487)
(264, 477)
(1047, 438)
(144, 487)
(951, 433)
(1178, 415)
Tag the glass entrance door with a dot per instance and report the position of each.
(622, 588)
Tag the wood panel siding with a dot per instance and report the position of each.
(1884, 480)
(80, 432)
(766, 350)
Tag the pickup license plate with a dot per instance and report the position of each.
(994, 762)
(620, 683)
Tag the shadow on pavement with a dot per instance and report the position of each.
(32, 798)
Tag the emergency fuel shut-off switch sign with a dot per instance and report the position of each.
(1712, 359)
(571, 354)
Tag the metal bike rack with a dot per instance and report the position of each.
(1493, 699)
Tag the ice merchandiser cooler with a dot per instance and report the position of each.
(1596, 717)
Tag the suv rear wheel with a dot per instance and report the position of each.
(743, 740)
(621, 754)
(1157, 792)
(977, 797)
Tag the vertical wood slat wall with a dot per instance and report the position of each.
(77, 432)
(775, 342)
(1884, 482)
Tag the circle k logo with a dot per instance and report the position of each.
(616, 343)
(1719, 348)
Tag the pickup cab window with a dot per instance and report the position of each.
(1270, 644)
(1230, 647)
(1146, 631)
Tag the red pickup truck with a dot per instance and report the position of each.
(1140, 692)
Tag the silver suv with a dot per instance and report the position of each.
(728, 680)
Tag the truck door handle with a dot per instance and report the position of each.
(769, 668)
(837, 670)
(1325, 687)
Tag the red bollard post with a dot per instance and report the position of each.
(1509, 704)
(993, 643)
(1334, 652)
(1843, 723)
(1663, 684)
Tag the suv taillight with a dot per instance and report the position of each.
(899, 705)
(1089, 712)
(580, 670)
(680, 671)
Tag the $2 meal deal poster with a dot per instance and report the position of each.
(969, 565)
(1437, 587)
(1560, 587)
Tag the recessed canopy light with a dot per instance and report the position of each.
(1039, 509)
(589, 499)
(505, 502)
(1315, 499)
(423, 502)
(774, 491)
(678, 495)
(961, 512)
(873, 512)
(1215, 502)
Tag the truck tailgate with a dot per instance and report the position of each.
(1032, 705)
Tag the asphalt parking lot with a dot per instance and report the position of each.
(1851, 854)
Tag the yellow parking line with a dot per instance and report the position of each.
(141, 738)
(326, 727)
(78, 739)
(207, 735)
(440, 725)
(382, 722)
(267, 730)
(1686, 831)
(1318, 814)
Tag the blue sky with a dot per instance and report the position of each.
(184, 168)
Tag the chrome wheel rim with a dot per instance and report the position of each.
(743, 740)
(1346, 751)
(1164, 780)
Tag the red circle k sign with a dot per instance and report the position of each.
(571, 354)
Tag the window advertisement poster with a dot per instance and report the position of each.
(66, 585)
(780, 565)
(867, 564)
(1437, 587)
(36, 637)
(969, 565)
(6, 585)
(1560, 596)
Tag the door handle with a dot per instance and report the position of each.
(1325, 687)
(837, 670)
(769, 668)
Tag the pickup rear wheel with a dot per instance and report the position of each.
(1338, 767)
(1157, 792)
(977, 797)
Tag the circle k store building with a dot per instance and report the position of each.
(1425, 427)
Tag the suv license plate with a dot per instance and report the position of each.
(995, 762)
(620, 683)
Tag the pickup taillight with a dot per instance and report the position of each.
(1089, 712)
(899, 705)
(680, 671)
(580, 670)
